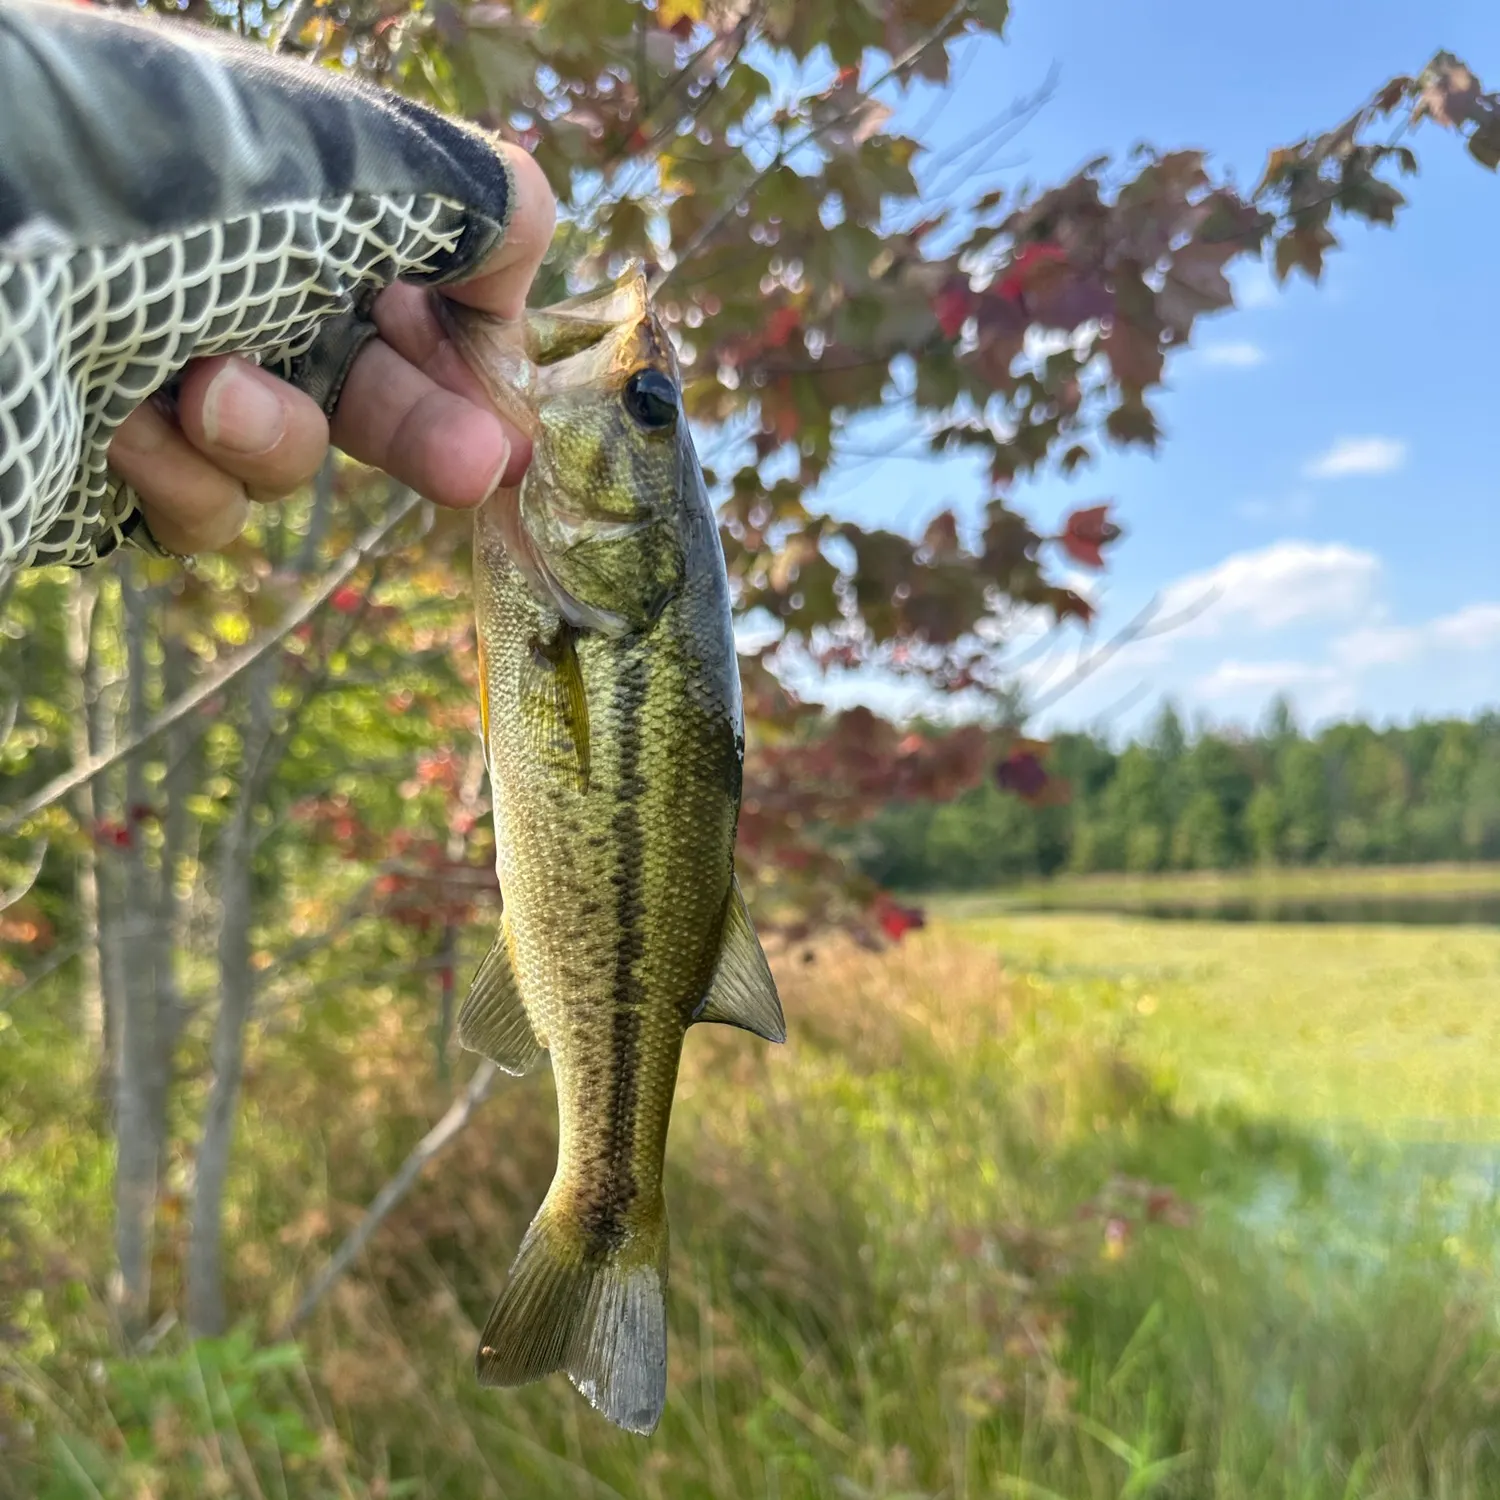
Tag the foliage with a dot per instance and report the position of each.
(198, 1418)
(970, 1233)
(747, 147)
(1351, 794)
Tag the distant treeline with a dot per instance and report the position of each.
(1211, 800)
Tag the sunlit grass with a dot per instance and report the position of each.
(1411, 882)
(1035, 1206)
(1393, 1030)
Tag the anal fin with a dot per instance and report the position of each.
(493, 1021)
(743, 993)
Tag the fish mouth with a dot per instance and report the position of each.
(530, 561)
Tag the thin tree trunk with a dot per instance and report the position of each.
(101, 700)
(83, 595)
(177, 827)
(206, 1312)
(137, 1074)
(262, 752)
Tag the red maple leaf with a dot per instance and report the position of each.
(1023, 773)
(1085, 532)
(346, 600)
(952, 306)
(780, 326)
(1029, 262)
(896, 920)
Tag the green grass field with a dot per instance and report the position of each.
(1063, 1207)
(1393, 1031)
(1409, 882)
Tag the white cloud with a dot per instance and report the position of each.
(1240, 355)
(1377, 646)
(1475, 627)
(1232, 678)
(1472, 628)
(1276, 586)
(1254, 285)
(1358, 455)
(1244, 688)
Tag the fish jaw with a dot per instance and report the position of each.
(595, 524)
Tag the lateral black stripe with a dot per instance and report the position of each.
(609, 1197)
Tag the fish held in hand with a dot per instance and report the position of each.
(611, 714)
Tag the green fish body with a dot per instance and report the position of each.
(613, 726)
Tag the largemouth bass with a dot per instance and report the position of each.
(610, 705)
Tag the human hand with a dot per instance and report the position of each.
(410, 406)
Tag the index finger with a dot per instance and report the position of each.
(404, 313)
(501, 284)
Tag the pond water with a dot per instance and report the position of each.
(1481, 910)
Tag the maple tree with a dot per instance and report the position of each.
(301, 806)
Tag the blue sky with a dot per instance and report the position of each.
(1328, 477)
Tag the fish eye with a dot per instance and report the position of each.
(652, 400)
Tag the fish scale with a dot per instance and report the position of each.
(614, 730)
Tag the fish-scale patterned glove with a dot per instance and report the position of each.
(167, 194)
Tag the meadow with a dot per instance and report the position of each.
(1435, 882)
(1062, 1207)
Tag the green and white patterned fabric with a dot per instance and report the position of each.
(166, 194)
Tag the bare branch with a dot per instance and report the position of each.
(296, 14)
(458, 1115)
(912, 54)
(1144, 626)
(355, 554)
(27, 880)
(54, 962)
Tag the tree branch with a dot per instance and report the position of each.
(458, 1115)
(296, 15)
(1144, 626)
(28, 878)
(210, 687)
(808, 136)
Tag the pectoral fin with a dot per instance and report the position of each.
(743, 993)
(493, 1021)
(554, 711)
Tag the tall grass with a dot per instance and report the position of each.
(957, 1239)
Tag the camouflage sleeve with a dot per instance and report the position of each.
(167, 193)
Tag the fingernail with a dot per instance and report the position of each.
(493, 483)
(240, 415)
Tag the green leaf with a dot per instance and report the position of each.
(1484, 144)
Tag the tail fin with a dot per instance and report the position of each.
(601, 1315)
